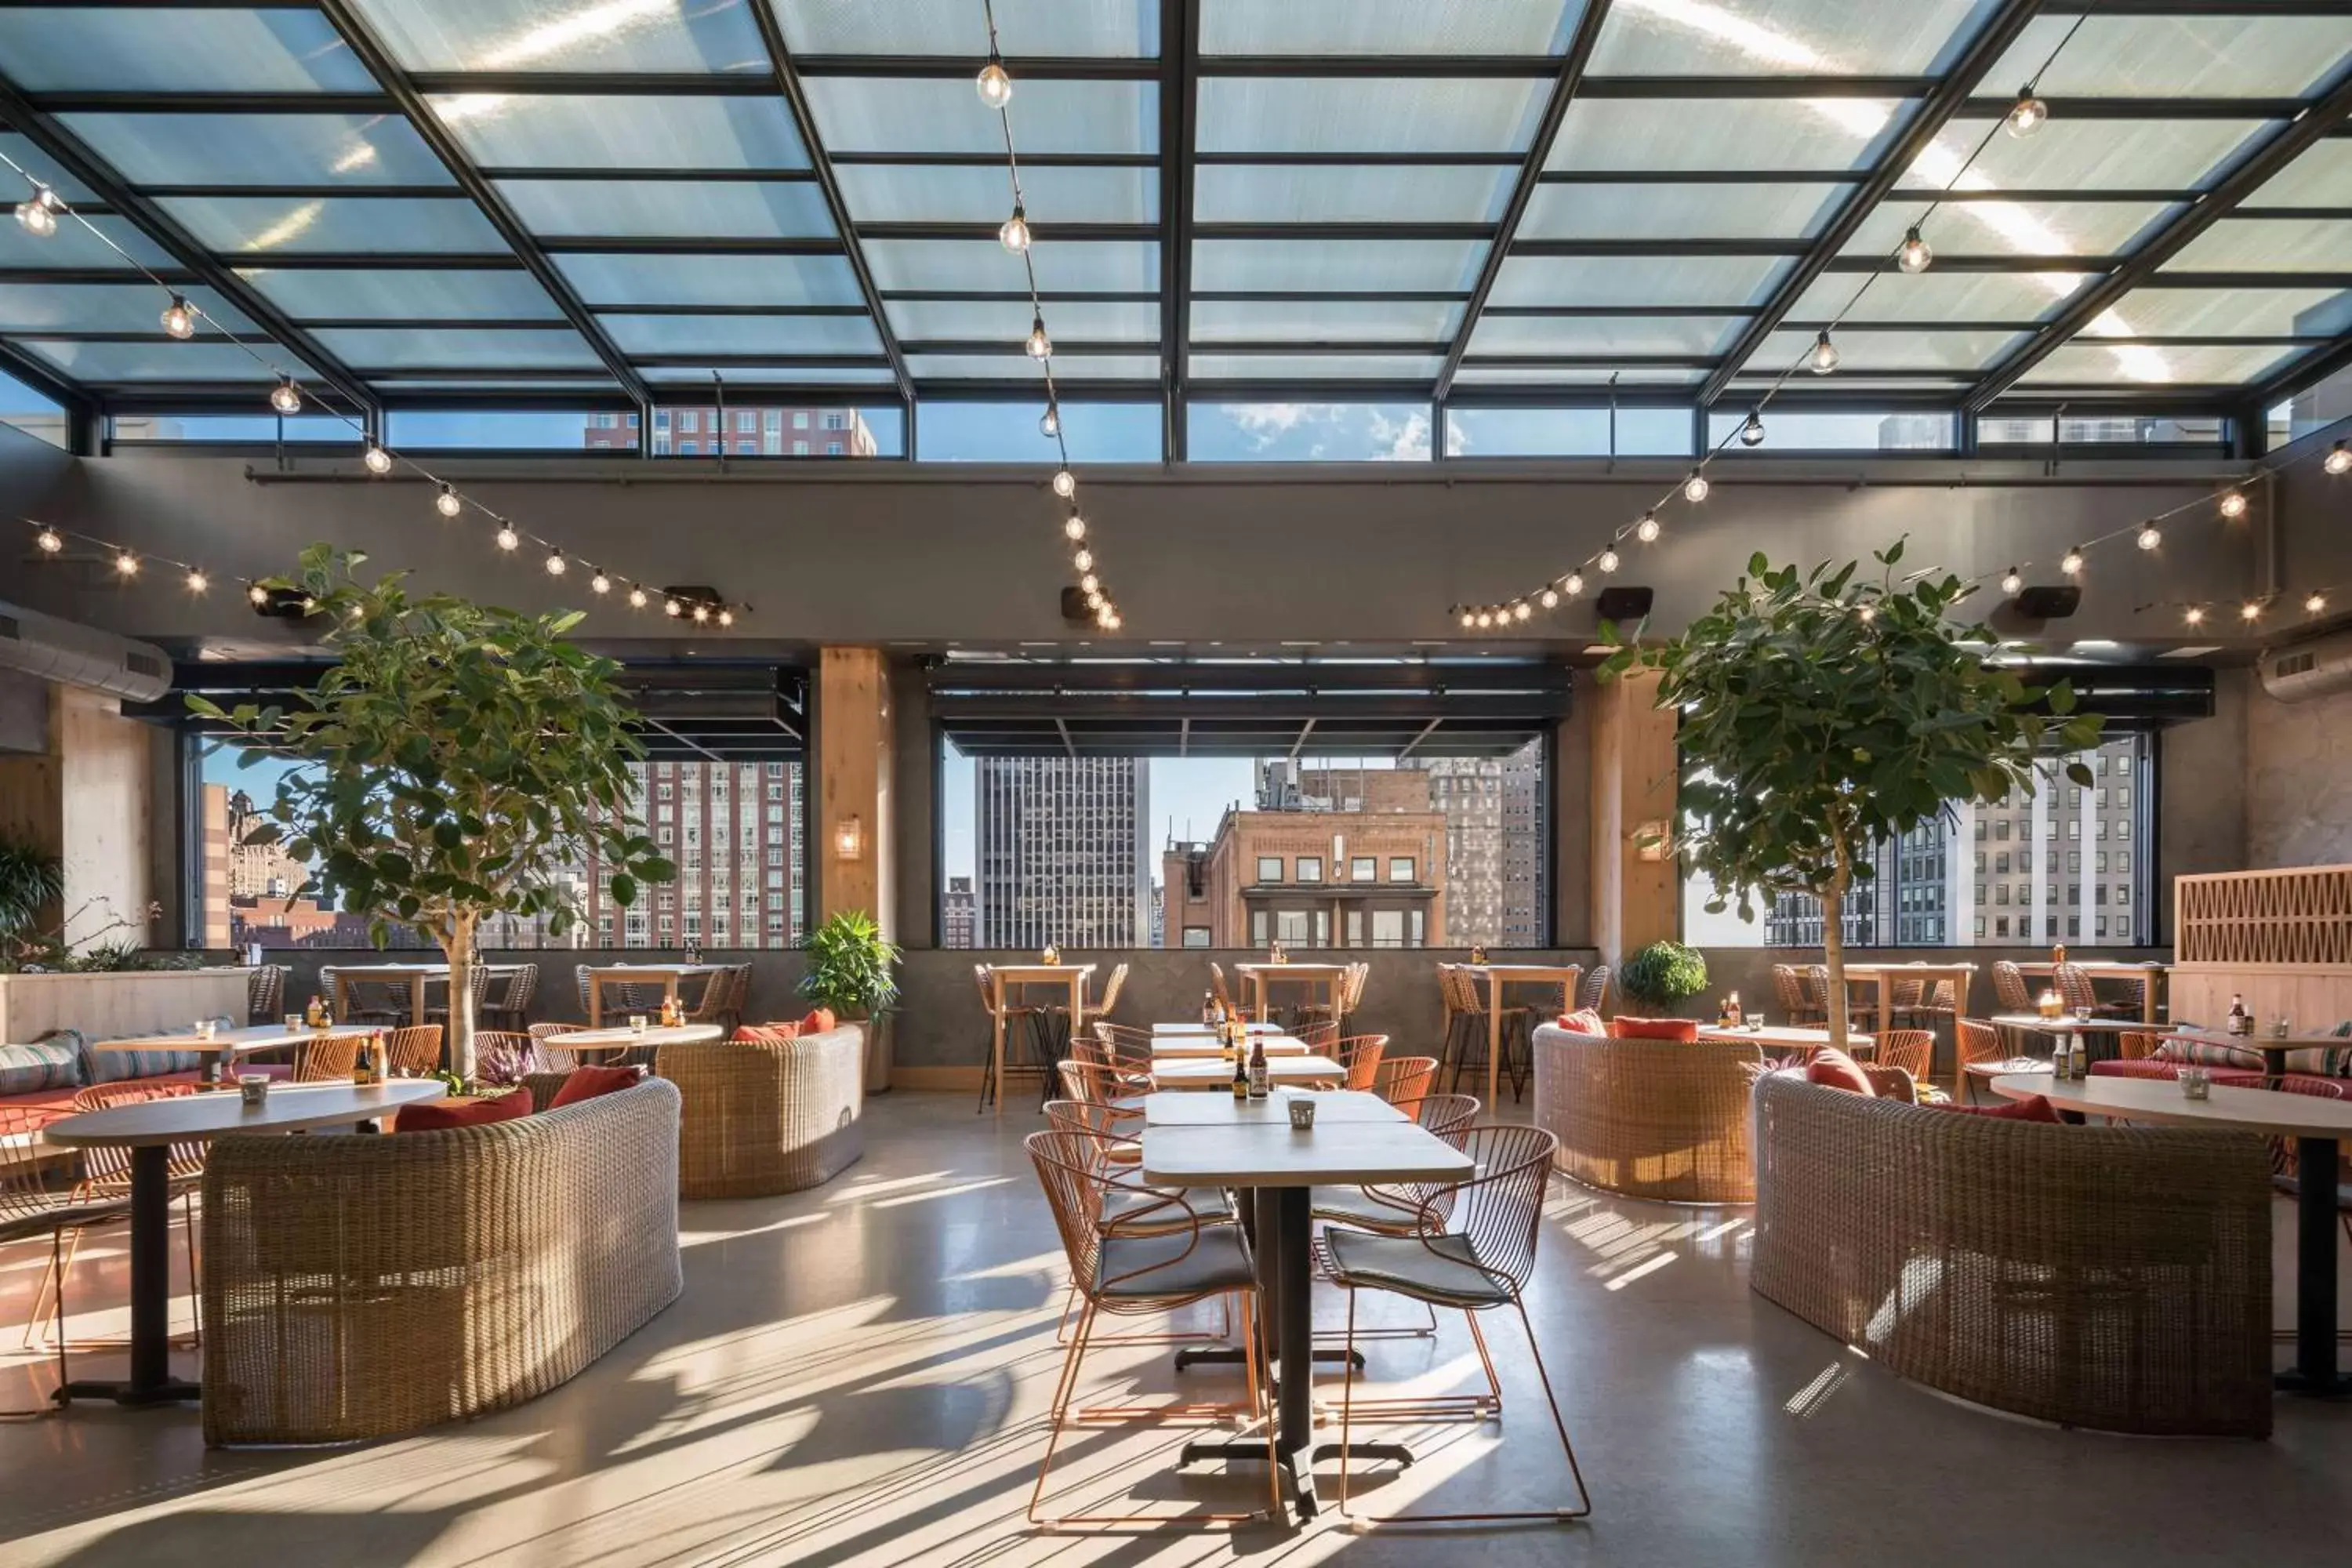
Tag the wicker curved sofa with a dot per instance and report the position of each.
(2109, 1277)
(767, 1116)
(362, 1286)
(1651, 1119)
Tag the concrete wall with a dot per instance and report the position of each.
(2298, 774)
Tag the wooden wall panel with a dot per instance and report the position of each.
(1636, 899)
(856, 777)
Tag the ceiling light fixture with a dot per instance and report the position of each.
(637, 598)
(2252, 610)
(2233, 505)
(1824, 357)
(39, 214)
(2028, 115)
(1915, 253)
(1752, 433)
(2315, 604)
(447, 503)
(179, 318)
(285, 397)
(2148, 537)
(1646, 531)
(2072, 563)
(1551, 598)
(508, 538)
(2012, 582)
(556, 565)
(2194, 615)
(125, 563)
(50, 539)
(1014, 233)
(378, 461)
(1573, 584)
(1049, 423)
(1075, 528)
(1607, 562)
(994, 86)
(1066, 483)
(599, 584)
(1696, 488)
(198, 581)
(2339, 458)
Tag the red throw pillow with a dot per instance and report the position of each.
(1583, 1021)
(1683, 1029)
(766, 1034)
(587, 1083)
(1833, 1068)
(445, 1113)
(2033, 1107)
(818, 1021)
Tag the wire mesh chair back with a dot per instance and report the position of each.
(1088, 1048)
(522, 983)
(1788, 990)
(555, 1057)
(1461, 991)
(1359, 976)
(1359, 1057)
(1404, 1081)
(265, 991)
(1446, 1116)
(1111, 988)
(320, 1061)
(1907, 994)
(2009, 988)
(1500, 1209)
(1977, 1042)
(415, 1051)
(1121, 1045)
(502, 1056)
(1320, 1038)
(2076, 990)
(1593, 991)
(105, 1171)
(1911, 1049)
(1096, 1083)
(25, 1193)
(2132, 1045)
(1102, 1129)
(1079, 1189)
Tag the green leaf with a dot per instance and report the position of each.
(624, 888)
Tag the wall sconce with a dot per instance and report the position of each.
(1654, 841)
(849, 839)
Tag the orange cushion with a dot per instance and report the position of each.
(1683, 1029)
(587, 1083)
(766, 1034)
(445, 1113)
(1584, 1021)
(818, 1021)
(1836, 1069)
(2033, 1107)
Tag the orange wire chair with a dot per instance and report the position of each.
(1359, 1057)
(1116, 1149)
(414, 1051)
(29, 1206)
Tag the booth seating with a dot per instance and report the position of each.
(1655, 1119)
(767, 1115)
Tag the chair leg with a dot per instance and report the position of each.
(58, 1397)
(196, 1280)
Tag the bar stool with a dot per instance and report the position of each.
(1021, 1023)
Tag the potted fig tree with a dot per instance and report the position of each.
(853, 971)
(458, 761)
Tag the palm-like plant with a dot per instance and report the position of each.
(30, 880)
(851, 968)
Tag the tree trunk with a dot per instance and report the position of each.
(1834, 957)
(460, 951)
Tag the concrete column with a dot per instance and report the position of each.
(84, 798)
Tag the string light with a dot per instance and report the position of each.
(1090, 583)
(1915, 253)
(125, 563)
(1696, 488)
(1037, 345)
(179, 318)
(377, 460)
(1049, 423)
(1486, 619)
(637, 598)
(2339, 458)
(556, 565)
(2250, 611)
(2072, 563)
(2316, 604)
(1867, 612)
(2148, 537)
(599, 584)
(995, 87)
(2028, 115)
(701, 613)
(447, 503)
(285, 397)
(1607, 562)
(725, 617)
(1084, 561)
(2012, 582)
(1825, 358)
(1551, 598)
(50, 539)
(1075, 528)
(257, 595)
(1066, 483)
(198, 581)
(1520, 610)
(2194, 615)
(671, 608)
(1646, 531)
(1468, 620)
(2234, 506)
(1015, 234)
(507, 539)
(1752, 433)
(39, 214)
(1573, 584)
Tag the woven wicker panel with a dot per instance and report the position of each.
(2301, 914)
(767, 1116)
(1651, 1119)
(2114, 1278)
(363, 1287)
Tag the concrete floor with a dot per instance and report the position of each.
(856, 1375)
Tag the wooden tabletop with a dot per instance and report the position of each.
(1531, 972)
(1328, 1153)
(2264, 1042)
(255, 1037)
(2115, 968)
(623, 1036)
(1295, 971)
(1039, 973)
(1210, 1029)
(2263, 1111)
(379, 971)
(613, 971)
(1784, 1038)
(1223, 1110)
(1177, 1047)
(1209, 1071)
(289, 1108)
(2074, 1024)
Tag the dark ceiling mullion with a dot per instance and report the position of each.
(1589, 361)
(1568, 69)
(46, 379)
(490, 372)
(1637, 247)
(1699, 176)
(1609, 312)
(2305, 370)
(98, 177)
(1080, 348)
(437, 323)
(596, 84)
(306, 193)
(1345, 390)
(72, 275)
(2250, 174)
(687, 245)
(1358, 159)
(602, 174)
(1179, 111)
(2296, 214)
(2158, 109)
(785, 73)
(1023, 389)
(1019, 296)
(992, 159)
(2247, 281)
(1352, 296)
(2038, 193)
(377, 62)
(1260, 347)
(1981, 262)
(858, 312)
(1378, 231)
(374, 260)
(142, 100)
(1796, 324)
(1992, 40)
(1755, 86)
(960, 67)
(1040, 231)
(763, 362)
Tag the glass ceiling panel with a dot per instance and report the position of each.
(2322, 177)
(412, 347)
(260, 148)
(1388, 26)
(712, 280)
(1063, 28)
(2237, 56)
(1316, 367)
(103, 308)
(1020, 367)
(914, 193)
(1932, 296)
(1257, 193)
(2228, 313)
(1615, 280)
(765, 209)
(1765, 134)
(769, 374)
(568, 35)
(782, 335)
(2084, 364)
(36, 162)
(74, 246)
(1354, 114)
(2268, 245)
(1078, 267)
(1587, 335)
(1668, 211)
(1007, 321)
(1414, 322)
(1588, 379)
(162, 360)
(1323, 265)
(600, 131)
(2010, 229)
(1865, 351)
(907, 114)
(2083, 154)
(392, 294)
(296, 224)
(1783, 37)
(145, 49)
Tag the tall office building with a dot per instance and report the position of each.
(753, 432)
(736, 831)
(1494, 891)
(1063, 853)
(955, 914)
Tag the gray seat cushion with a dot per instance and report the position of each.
(1141, 1267)
(1356, 1206)
(1124, 1208)
(1444, 1269)
(42, 1222)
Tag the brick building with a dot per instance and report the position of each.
(755, 432)
(1315, 878)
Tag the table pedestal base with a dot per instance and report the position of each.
(124, 1391)
(1227, 1355)
(1297, 1480)
(2313, 1373)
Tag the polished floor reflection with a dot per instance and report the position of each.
(858, 1377)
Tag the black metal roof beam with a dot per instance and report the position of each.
(1179, 107)
(1568, 71)
(2291, 141)
(378, 63)
(46, 379)
(67, 150)
(2063, 108)
(785, 73)
(2302, 372)
(1992, 40)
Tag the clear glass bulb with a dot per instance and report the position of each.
(1037, 345)
(1014, 233)
(2148, 537)
(2339, 458)
(50, 541)
(1094, 599)
(701, 614)
(2073, 563)
(1868, 613)
(1573, 584)
(556, 565)
(637, 598)
(1521, 610)
(258, 593)
(1752, 433)
(2194, 615)
(285, 397)
(1112, 621)
(377, 460)
(125, 563)
(725, 617)
(447, 503)
(995, 87)
(2233, 505)
(1090, 583)
(1608, 562)
(1066, 483)
(2250, 611)
(1468, 620)
(38, 214)
(1696, 488)
(198, 581)
(672, 607)
(179, 318)
(1084, 561)
(1486, 619)
(1551, 599)
(1050, 422)
(2011, 582)
(508, 538)
(1646, 531)
(2029, 115)
(1824, 357)
(2315, 604)
(599, 584)
(1915, 253)
(1076, 527)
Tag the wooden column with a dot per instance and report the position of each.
(855, 756)
(1636, 899)
(87, 799)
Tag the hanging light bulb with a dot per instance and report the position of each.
(1608, 562)
(1015, 234)
(1550, 599)
(2071, 564)
(556, 565)
(1752, 433)
(2252, 610)
(179, 318)
(2148, 537)
(1073, 527)
(1090, 583)
(2028, 115)
(447, 503)
(125, 563)
(725, 617)
(1824, 357)
(1867, 612)
(1521, 610)
(2012, 582)
(1038, 345)
(377, 460)
(599, 584)
(672, 608)
(1050, 422)
(995, 87)
(50, 539)
(1573, 584)
(1696, 488)
(2234, 506)
(1084, 561)
(1486, 619)
(2315, 604)
(1915, 253)
(1646, 531)
(359, 612)
(257, 595)
(637, 598)
(702, 614)
(2339, 458)
(285, 397)
(39, 214)
(1066, 483)
(508, 538)
(198, 581)
(1468, 620)
(1112, 621)
(1093, 599)
(2194, 615)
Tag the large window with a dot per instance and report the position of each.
(2070, 865)
(1291, 432)
(736, 830)
(1642, 431)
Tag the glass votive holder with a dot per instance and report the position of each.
(205, 1028)
(1302, 1111)
(293, 1023)
(253, 1086)
(2195, 1083)
(637, 1022)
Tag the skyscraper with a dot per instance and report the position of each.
(1064, 856)
(735, 831)
(1494, 846)
(955, 914)
(758, 431)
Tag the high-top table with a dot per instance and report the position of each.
(2317, 1126)
(1003, 977)
(230, 1047)
(1280, 1167)
(148, 1128)
(1259, 978)
(413, 975)
(666, 975)
(2146, 974)
(1500, 976)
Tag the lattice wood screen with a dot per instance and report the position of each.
(2301, 915)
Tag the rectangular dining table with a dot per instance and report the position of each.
(1197, 1073)
(666, 975)
(413, 975)
(1929, 975)
(2145, 975)
(1500, 976)
(229, 1046)
(1262, 977)
(1279, 1167)
(1178, 1045)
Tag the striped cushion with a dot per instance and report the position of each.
(114, 1067)
(2189, 1050)
(28, 1070)
(2333, 1061)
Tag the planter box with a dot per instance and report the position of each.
(111, 1006)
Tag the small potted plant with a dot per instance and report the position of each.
(1664, 974)
(854, 972)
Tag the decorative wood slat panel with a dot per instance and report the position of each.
(2301, 915)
